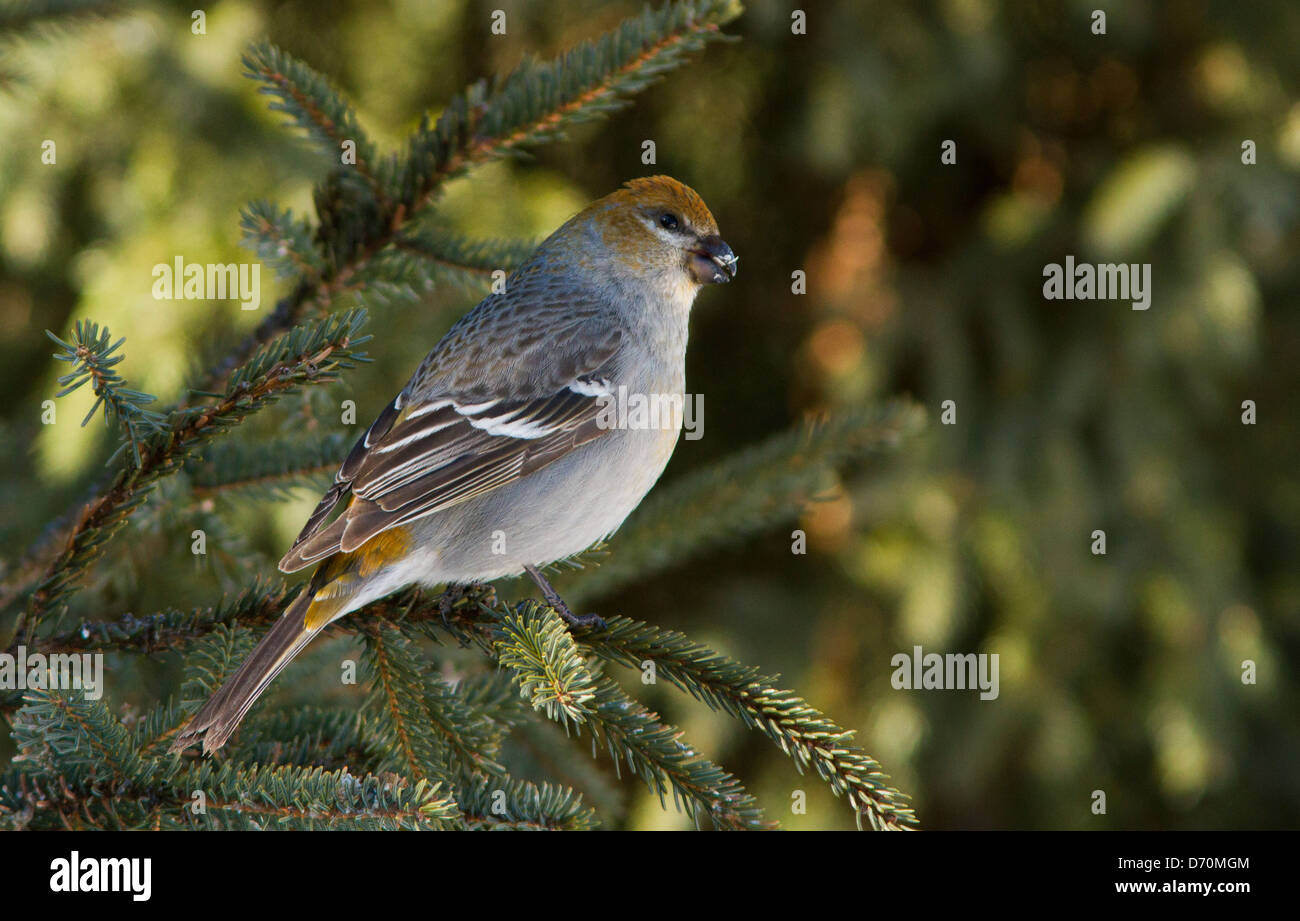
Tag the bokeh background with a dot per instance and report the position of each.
(818, 152)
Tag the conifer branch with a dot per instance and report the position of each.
(633, 736)
(432, 749)
(311, 799)
(289, 798)
(214, 659)
(73, 749)
(92, 361)
(397, 694)
(152, 731)
(539, 100)
(457, 729)
(171, 629)
(314, 105)
(305, 737)
(281, 240)
(471, 737)
(463, 256)
(803, 733)
(310, 354)
(418, 263)
(538, 647)
(271, 468)
(655, 752)
(256, 606)
(532, 105)
(549, 752)
(490, 804)
(58, 730)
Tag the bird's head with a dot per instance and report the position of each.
(661, 230)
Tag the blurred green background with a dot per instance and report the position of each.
(818, 152)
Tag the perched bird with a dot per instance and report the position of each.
(498, 456)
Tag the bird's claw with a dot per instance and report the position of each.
(589, 621)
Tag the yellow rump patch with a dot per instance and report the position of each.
(343, 571)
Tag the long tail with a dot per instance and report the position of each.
(225, 709)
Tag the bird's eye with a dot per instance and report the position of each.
(668, 220)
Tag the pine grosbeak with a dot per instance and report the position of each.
(495, 458)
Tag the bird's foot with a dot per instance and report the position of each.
(455, 593)
(591, 621)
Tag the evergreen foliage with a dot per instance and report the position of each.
(92, 362)
(429, 747)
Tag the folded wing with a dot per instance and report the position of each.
(428, 452)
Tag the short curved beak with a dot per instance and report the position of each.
(712, 261)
